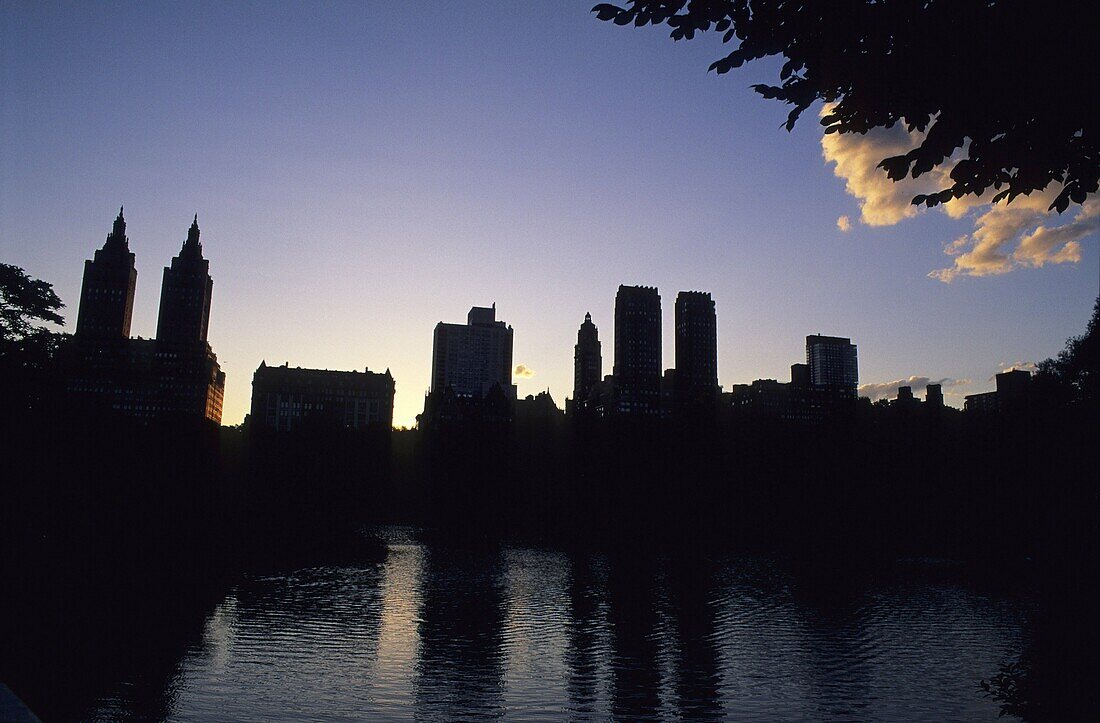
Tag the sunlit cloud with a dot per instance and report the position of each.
(889, 390)
(1005, 237)
(1026, 366)
(522, 371)
(844, 224)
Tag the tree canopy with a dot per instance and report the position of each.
(1007, 88)
(29, 352)
(23, 301)
(1074, 375)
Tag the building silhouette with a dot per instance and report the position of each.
(832, 362)
(538, 407)
(185, 294)
(471, 371)
(107, 292)
(808, 398)
(285, 398)
(933, 395)
(800, 375)
(587, 365)
(637, 368)
(696, 378)
(176, 375)
(474, 357)
(1013, 394)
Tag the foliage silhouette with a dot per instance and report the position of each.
(1003, 82)
(1073, 377)
(28, 352)
(24, 300)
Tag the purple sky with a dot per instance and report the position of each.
(362, 172)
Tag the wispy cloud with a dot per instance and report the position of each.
(844, 224)
(522, 371)
(889, 390)
(1005, 237)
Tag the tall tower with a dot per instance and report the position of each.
(185, 294)
(587, 361)
(696, 348)
(107, 294)
(638, 349)
(474, 357)
(832, 362)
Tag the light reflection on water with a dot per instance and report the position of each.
(438, 633)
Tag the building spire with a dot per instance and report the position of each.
(117, 238)
(192, 247)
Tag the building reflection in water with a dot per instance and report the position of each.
(694, 598)
(460, 667)
(588, 636)
(635, 625)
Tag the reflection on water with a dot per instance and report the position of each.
(434, 632)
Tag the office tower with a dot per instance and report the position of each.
(185, 294)
(933, 395)
(696, 349)
(107, 294)
(587, 362)
(284, 399)
(832, 362)
(472, 358)
(638, 350)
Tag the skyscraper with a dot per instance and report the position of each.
(587, 362)
(638, 350)
(832, 362)
(175, 376)
(696, 349)
(185, 294)
(474, 357)
(107, 293)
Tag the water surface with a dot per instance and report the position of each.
(438, 632)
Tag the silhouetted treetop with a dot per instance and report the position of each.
(24, 300)
(1011, 83)
(1074, 375)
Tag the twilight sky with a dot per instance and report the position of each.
(362, 171)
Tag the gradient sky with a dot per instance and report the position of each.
(362, 171)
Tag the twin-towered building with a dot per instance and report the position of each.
(176, 374)
(636, 387)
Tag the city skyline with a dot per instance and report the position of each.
(388, 208)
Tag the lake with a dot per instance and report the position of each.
(438, 631)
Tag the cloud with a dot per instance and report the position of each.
(1011, 236)
(1025, 366)
(889, 390)
(1005, 237)
(881, 203)
(844, 224)
(522, 371)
